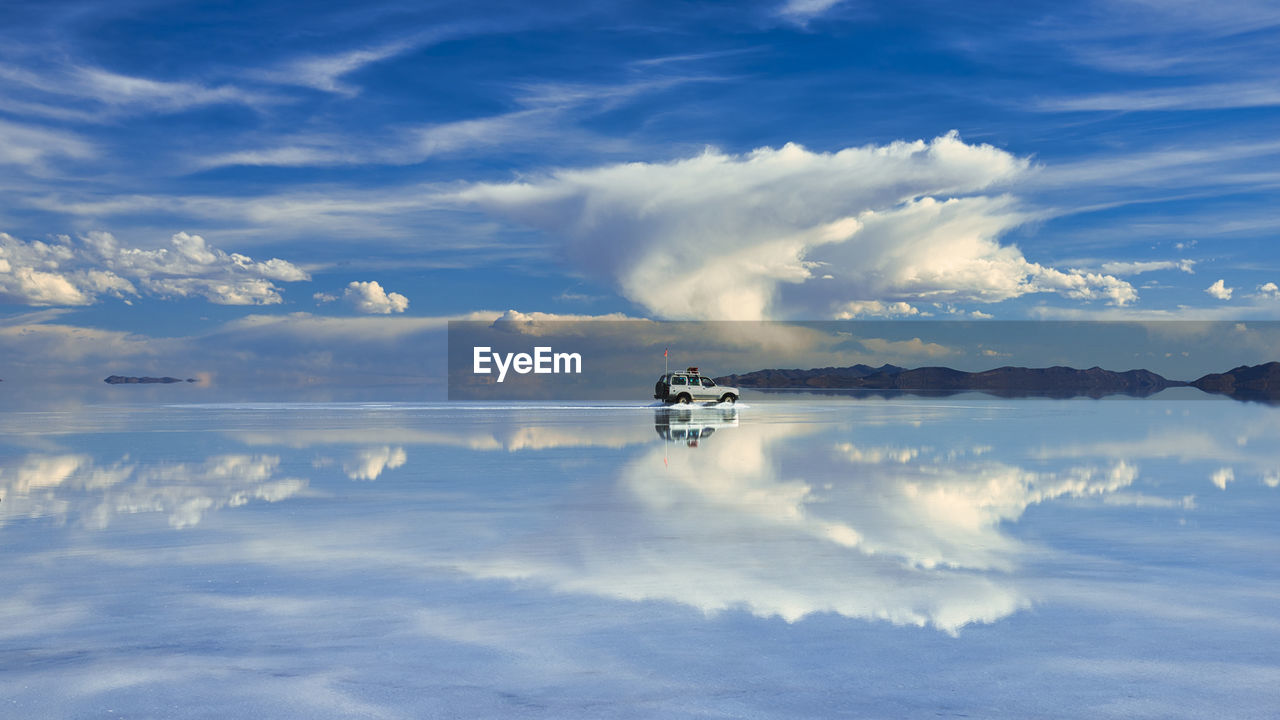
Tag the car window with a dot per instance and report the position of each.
(677, 380)
(708, 382)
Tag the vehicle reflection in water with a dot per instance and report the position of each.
(691, 425)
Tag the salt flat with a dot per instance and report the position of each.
(795, 556)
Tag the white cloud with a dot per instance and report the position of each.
(129, 91)
(1220, 290)
(30, 146)
(1269, 291)
(923, 534)
(78, 272)
(913, 348)
(54, 349)
(1186, 502)
(1135, 268)
(74, 486)
(401, 148)
(1197, 97)
(1222, 476)
(325, 72)
(370, 298)
(789, 232)
(107, 91)
(875, 308)
(369, 463)
(802, 11)
(545, 115)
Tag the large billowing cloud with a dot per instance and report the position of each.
(70, 271)
(792, 233)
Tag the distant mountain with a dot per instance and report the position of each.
(827, 377)
(1247, 382)
(1053, 382)
(1058, 380)
(130, 380)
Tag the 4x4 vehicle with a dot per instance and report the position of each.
(690, 386)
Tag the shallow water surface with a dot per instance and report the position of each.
(791, 557)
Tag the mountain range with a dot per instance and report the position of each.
(1257, 382)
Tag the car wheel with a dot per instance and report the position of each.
(684, 399)
(729, 398)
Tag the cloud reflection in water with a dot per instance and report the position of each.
(784, 520)
(582, 560)
(74, 484)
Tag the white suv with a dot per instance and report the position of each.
(689, 386)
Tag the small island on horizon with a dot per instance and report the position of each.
(1247, 382)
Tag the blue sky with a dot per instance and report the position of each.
(178, 171)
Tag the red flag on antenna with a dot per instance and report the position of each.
(664, 352)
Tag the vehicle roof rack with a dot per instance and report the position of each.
(692, 370)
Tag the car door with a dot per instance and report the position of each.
(678, 386)
(707, 389)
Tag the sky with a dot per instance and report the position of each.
(200, 187)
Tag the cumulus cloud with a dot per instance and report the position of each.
(1220, 290)
(788, 232)
(1222, 476)
(913, 348)
(1269, 291)
(369, 463)
(875, 308)
(70, 271)
(371, 299)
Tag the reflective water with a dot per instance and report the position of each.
(796, 557)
